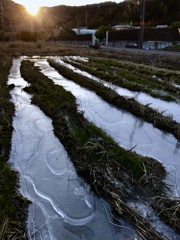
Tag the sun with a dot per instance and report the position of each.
(32, 8)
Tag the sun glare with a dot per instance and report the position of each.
(32, 9)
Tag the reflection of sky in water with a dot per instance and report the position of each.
(62, 205)
(169, 108)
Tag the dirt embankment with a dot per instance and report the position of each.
(155, 58)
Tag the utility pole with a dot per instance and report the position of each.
(2, 17)
(86, 19)
(142, 17)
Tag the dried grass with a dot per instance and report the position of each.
(4, 226)
(168, 209)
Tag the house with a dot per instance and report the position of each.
(85, 31)
(161, 26)
(122, 26)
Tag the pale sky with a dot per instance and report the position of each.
(50, 3)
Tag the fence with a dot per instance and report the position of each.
(153, 38)
(85, 39)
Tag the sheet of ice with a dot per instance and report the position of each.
(127, 130)
(168, 108)
(62, 205)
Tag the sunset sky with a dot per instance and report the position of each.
(50, 3)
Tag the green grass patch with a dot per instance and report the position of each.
(174, 48)
(133, 76)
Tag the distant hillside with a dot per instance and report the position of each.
(12, 16)
(157, 12)
(94, 15)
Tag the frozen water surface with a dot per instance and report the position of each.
(62, 205)
(127, 130)
(168, 108)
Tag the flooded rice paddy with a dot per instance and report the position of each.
(62, 205)
(167, 108)
(127, 130)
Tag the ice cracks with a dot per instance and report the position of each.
(62, 205)
(41, 160)
(167, 108)
(127, 130)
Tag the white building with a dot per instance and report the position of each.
(82, 31)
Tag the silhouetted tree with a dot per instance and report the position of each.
(101, 32)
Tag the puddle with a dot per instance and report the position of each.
(168, 108)
(62, 205)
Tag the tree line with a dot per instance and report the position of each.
(95, 16)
